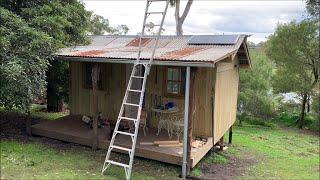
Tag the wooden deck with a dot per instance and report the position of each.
(74, 130)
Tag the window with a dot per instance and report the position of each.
(175, 84)
(88, 78)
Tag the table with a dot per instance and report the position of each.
(164, 116)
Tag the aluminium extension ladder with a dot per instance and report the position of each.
(134, 77)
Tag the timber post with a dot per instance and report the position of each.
(94, 76)
(221, 143)
(185, 124)
(230, 135)
(190, 117)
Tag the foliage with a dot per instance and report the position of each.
(24, 54)
(313, 7)
(61, 23)
(294, 50)
(100, 26)
(255, 91)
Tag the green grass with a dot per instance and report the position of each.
(36, 161)
(217, 158)
(281, 154)
(277, 154)
(40, 112)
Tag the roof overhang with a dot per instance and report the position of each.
(132, 61)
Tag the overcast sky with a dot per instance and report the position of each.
(257, 18)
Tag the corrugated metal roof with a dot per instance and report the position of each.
(173, 48)
(217, 39)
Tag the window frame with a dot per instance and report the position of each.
(180, 80)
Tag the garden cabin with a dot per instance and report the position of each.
(206, 67)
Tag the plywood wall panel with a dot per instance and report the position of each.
(226, 93)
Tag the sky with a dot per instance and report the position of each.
(256, 18)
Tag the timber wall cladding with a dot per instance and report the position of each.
(226, 93)
(110, 98)
(115, 81)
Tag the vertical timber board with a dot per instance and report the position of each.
(95, 105)
(226, 93)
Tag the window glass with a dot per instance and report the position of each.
(175, 80)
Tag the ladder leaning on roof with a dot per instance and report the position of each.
(138, 69)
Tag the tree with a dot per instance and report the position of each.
(313, 8)
(66, 24)
(180, 19)
(99, 25)
(24, 55)
(255, 90)
(294, 50)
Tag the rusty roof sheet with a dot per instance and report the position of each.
(173, 48)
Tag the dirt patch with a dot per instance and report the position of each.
(236, 167)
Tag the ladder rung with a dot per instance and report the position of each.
(140, 77)
(130, 119)
(125, 133)
(156, 0)
(121, 148)
(154, 12)
(130, 104)
(118, 164)
(133, 90)
(152, 25)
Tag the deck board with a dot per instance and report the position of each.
(72, 129)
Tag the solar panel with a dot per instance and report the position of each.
(213, 39)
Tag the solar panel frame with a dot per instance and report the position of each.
(213, 39)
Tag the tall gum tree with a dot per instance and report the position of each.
(180, 19)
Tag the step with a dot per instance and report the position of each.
(125, 133)
(134, 90)
(118, 164)
(130, 119)
(121, 148)
(130, 104)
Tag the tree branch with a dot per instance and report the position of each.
(186, 10)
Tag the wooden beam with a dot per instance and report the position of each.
(185, 124)
(94, 76)
(230, 135)
(191, 112)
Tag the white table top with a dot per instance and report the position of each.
(166, 111)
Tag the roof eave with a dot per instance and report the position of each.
(132, 61)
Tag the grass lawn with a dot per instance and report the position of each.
(274, 153)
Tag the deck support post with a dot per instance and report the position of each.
(230, 135)
(94, 75)
(185, 122)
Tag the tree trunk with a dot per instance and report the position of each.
(303, 108)
(308, 104)
(179, 30)
(54, 102)
(180, 20)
